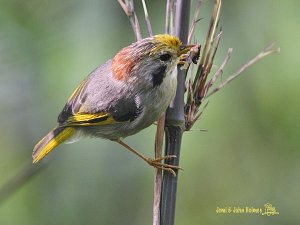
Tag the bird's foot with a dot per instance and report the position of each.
(163, 166)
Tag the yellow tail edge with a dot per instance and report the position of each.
(54, 138)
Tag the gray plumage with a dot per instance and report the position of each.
(102, 92)
(121, 97)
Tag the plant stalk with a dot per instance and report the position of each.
(175, 122)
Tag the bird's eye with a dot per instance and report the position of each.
(165, 57)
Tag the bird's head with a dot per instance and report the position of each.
(149, 60)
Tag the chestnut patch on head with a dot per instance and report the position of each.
(123, 63)
(158, 75)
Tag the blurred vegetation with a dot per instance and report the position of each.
(249, 156)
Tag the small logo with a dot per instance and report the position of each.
(270, 210)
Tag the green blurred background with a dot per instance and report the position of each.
(249, 156)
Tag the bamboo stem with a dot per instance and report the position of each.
(175, 122)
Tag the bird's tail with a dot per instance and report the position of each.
(50, 141)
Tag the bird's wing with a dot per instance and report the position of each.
(74, 104)
(84, 110)
(118, 113)
(86, 119)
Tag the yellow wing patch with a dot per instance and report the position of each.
(82, 119)
(77, 90)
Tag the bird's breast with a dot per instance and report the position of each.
(156, 101)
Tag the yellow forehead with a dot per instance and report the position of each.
(169, 41)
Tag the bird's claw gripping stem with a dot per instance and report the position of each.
(154, 162)
(163, 166)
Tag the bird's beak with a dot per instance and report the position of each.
(184, 49)
(189, 54)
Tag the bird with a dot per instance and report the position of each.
(121, 97)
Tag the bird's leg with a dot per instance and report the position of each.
(153, 162)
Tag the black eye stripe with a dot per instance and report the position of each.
(165, 57)
(158, 75)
